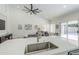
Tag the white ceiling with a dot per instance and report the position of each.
(52, 10)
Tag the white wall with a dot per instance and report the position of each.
(18, 16)
(65, 18)
(4, 14)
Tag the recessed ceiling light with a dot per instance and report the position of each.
(18, 6)
(64, 6)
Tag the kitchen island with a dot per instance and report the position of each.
(17, 46)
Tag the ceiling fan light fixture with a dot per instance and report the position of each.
(31, 10)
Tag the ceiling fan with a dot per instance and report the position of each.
(31, 10)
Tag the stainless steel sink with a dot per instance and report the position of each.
(40, 46)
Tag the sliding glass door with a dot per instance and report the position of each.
(69, 30)
(73, 32)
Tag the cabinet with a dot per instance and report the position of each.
(5, 37)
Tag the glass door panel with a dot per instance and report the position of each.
(64, 30)
(72, 32)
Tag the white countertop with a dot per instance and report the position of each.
(17, 46)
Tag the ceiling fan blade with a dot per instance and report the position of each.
(31, 6)
(34, 13)
(27, 11)
(36, 9)
(40, 10)
(26, 7)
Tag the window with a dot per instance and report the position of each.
(49, 28)
(46, 27)
(52, 28)
(64, 30)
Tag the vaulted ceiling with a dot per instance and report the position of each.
(52, 10)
